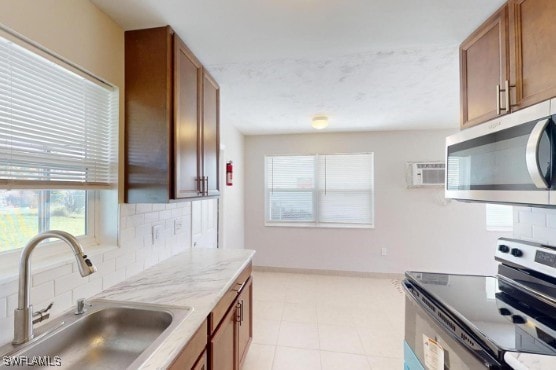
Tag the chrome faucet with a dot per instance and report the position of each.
(23, 315)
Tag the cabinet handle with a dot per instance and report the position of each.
(207, 185)
(238, 313)
(241, 313)
(506, 91)
(498, 100)
(199, 185)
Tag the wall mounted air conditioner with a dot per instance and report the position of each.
(425, 174)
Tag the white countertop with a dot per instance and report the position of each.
(527, 361)
(197, 278)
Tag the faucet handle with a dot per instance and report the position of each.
(42, 314)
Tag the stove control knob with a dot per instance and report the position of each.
(516, 319)
(516, 252)
(504, 248)
(505, 312)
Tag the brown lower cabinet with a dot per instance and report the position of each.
(222, 341)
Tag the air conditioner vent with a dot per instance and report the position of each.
(425, 174)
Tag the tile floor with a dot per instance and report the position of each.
(314, 322)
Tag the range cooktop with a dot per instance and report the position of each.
(494, 312)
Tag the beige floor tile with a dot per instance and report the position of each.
(265, 331)
(299, 335)
(340, 361)
(259, 357)
(300, 312)
(287, 358)
(385, 363)
(335, 315)
(337, 338)
(268, 310)
(381, 344)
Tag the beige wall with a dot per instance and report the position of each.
(77, 31)
(420, 230)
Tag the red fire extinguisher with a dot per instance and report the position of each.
(229, 173)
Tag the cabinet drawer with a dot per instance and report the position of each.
(225, 302)
(190, 353)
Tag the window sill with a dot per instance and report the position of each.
(9, 265)
(318, 226)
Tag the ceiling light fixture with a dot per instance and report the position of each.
(320, 122)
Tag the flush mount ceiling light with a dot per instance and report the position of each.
(320, 122)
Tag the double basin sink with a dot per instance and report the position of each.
(109, 335)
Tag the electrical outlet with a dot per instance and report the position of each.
(384, 251)
(178, 225)
(156, 233)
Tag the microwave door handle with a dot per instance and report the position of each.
(532, 154)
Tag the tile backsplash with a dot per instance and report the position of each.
(63, 285)
(535, 224)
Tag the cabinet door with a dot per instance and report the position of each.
(223, 345)
(211, 133)
(201, 363)
(187, 80)
(533, 47)
(483, 66)
(245, 323)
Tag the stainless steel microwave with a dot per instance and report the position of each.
(507, 160)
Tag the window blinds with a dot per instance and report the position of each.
(499, 217)
(321, 189)
(57, 129)
(346, 188)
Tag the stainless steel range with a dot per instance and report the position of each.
(463, 322)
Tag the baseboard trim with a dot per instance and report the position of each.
(376, 275)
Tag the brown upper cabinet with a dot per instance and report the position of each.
(505, 65)
(484, 70)
(171, 120)
(532, 50)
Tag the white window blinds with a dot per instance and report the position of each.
(499, 217)
(57, 129)
(322, 190)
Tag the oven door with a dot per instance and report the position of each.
(509, 160)
(422, 323)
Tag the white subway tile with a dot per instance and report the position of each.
(9, 287)
(68, 282)
(171, 205)
(551, 220)
(6, 330)
(116, 252)
(544, 235)
(136, 220)
(88, 290)
(113, 278)
(532, 218)
(144, 208)
(158, 207)
(3, 307)
(164, 215)
(125, 260)
(126, 234)
(42, 277)
(43, 292)
(127, 210)
(134, 268)
(11, 304)
(152, 217)
(523, 231)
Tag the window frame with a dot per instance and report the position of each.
(316, 190)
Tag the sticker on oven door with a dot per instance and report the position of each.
(434, 354)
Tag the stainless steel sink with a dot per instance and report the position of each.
(109, 335)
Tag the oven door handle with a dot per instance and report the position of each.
(532, 154)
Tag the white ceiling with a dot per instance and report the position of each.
(368, 64)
